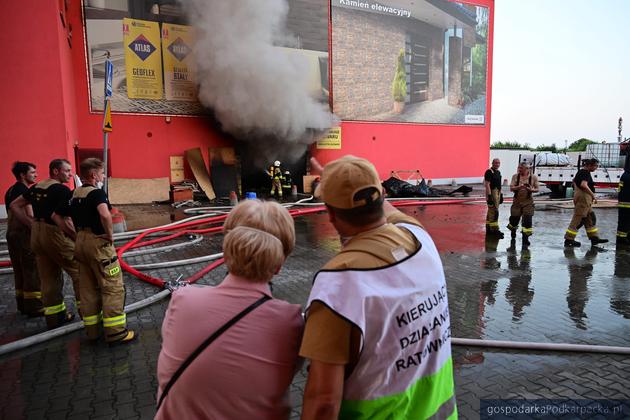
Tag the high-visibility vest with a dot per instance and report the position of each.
(405, 369)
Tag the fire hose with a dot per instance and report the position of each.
(190, 226)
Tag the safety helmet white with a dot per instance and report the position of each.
(276, 163)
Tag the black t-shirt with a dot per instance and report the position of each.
(493, 177)
(84, 213)
(14, 192)
(55, 198)
(624, 191)
(584, 175)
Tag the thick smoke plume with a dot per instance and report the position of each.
(257, 92)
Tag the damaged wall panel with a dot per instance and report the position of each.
(138, 191)
(198, 167)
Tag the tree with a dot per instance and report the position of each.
(509, 145)
(544, 148)
(580, 145)
(399, 85)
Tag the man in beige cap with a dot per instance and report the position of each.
(377, 329)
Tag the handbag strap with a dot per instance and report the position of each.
(206, 343)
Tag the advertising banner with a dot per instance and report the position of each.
(145, 66)
(430, 66)
(332, 139)
(143, 62)
(179, 63)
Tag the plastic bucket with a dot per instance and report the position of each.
(118, 221)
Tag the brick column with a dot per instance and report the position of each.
(455, 71)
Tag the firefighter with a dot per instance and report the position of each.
(583, 198)
(275, 174)
(52, 239)
(28, 293)
(523, 184)
(287, 182)
(623, 222)
(101, 281)
(492, 183)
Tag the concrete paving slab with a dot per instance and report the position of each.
(497, 290)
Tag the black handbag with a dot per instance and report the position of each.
(206, 343)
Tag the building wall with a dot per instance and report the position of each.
(46, 112)
(36, 88)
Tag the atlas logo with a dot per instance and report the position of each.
(142, 47)
(179, 49)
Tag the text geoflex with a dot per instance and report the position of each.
(415, 344)
(143, 72)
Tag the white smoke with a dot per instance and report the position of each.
(257, 91)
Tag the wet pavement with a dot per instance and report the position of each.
(497, 290)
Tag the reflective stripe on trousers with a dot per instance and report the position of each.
(92, 319)
(51, 310)
(114, 321)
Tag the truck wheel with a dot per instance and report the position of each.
(557, 190)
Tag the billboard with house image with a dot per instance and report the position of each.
(410, 61)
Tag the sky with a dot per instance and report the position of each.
(561, 70)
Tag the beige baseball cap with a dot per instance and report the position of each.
(343, 178)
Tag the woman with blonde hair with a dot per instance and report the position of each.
(231, 351)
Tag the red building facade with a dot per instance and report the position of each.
(46, 110)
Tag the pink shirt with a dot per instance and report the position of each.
(246, 372)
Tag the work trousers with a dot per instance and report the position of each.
(102, 288)
(623, 222)
(28, 293)
(492, 217)
(276, 186)
(54, 251)
(582, 216)
(522, 207)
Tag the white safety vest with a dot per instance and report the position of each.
(405, 367)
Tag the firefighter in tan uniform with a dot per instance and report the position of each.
(52, 239)
(523, 184)
(623, 222)
(101, 281)
(275, 175)
(28, 293)
(492, 184)
(583, 198)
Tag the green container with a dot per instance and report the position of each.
(569, 193)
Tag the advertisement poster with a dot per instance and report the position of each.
(173, 90)
(415, 61)
(179, 63)
(143, 59)
(332, 140)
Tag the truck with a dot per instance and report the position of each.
(558, 175)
